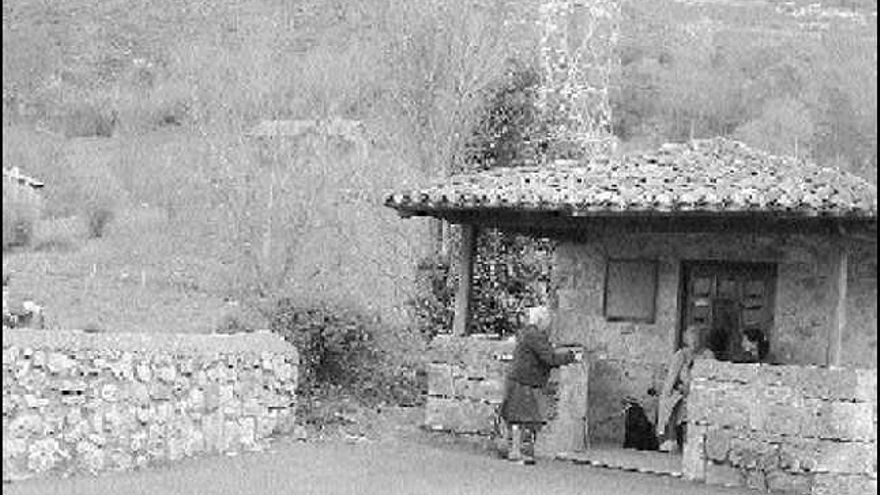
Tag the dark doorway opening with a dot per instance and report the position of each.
(731, 299)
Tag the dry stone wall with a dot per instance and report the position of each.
(793, 429)
(76, 403)
(466, 382)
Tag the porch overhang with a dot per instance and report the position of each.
(559, 224)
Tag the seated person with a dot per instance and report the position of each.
(672, 410)
(754, 347)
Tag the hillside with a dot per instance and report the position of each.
(143, 106)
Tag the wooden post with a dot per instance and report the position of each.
(467, 250)
(838, 322)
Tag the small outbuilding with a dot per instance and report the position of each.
(709, 232)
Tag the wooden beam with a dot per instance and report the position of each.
(838, 321)
(466, 255)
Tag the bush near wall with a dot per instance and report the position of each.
(21, 211)
(339, 349)
(85, 403)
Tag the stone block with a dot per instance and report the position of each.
(212, 397)
(110, 392)
(44, 455)
(440, 380)
(461, 416)
(90, 457)
(247, 428)
(778, 394)
(59, 363)
(195, 442)
(720, 404)
(846, 457)
(10, 355)
(479, 389)
(755, 480)
(723, 475)
(780, 376)
(226, 394)
(824, 456)
(144, 414)
(119, 460)
(176, 448)
(266, 424)
(231, 436)
(795, 484)
(694, 458)
(752, 453)
(717, 444)
(138, 441)
(166, 373)
(212, 429)
(720, 371)
(866, 385)
(835, 484)
(778, 419)
(26, 425)
(840, 420)
(14, 447)
(284, 372)
(827, 383)
(161, 391)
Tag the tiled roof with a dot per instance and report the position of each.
(714, 176)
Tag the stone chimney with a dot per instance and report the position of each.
(578, 60)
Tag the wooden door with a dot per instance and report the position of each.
(728, 298)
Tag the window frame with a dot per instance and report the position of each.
(655, 287)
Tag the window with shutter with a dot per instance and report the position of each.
(631, 290)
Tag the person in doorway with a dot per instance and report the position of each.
(672, 410)
(524, 404)
(754, 347)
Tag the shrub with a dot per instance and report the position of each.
(338, 350)
(89, 120)
(56, 235)
(98, 206)
(231, 324)
(19, 218)
(98, 217)
(434, 311)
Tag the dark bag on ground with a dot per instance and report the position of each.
(639, 432)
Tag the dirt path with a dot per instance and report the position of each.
(393, 467)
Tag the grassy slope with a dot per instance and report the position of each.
(213, 57)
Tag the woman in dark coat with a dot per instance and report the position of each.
(524, 404)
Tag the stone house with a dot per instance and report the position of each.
(709, 232)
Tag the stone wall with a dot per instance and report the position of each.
(466, 382)
(629, 358)
(466, 385)
(794, 429)
(76, 403)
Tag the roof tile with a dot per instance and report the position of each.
(702, 176)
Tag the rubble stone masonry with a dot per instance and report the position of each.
(76, 403)
(790, 429)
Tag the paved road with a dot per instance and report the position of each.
(398, 467)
